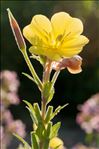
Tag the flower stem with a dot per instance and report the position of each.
(46, 78)
(55, 76)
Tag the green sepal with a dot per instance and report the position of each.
(55, 129)
(32, 112)
(57, 110)
(48, 91)
(34, 141)
(27, 146)
(48, 114)
(41, 59)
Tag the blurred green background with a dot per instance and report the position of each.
(74, 89)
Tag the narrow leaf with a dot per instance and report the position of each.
(58, 110)
(22, 140)
(37, 112)
(31, 110)
(48, 114)
(28, 76)
(34, 141)
(55, 130)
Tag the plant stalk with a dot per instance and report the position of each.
(46, 78)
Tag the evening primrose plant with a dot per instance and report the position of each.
(55, 44)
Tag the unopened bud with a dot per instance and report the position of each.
(16, 31)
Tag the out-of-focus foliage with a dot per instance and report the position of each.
(75, 88)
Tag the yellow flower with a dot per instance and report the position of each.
(57, 38)
(55, 142)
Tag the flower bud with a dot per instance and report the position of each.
(16, 31)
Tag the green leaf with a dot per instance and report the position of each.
(39, 131)
(48, 130)
(32, 112)
(40, 126)
(48, 91)
(55, 129)
(47, 135)
(48, 114)
(37, 112)
(27, 146)
(34, 141)
(28, 76)
(51, 95)
(57, 110)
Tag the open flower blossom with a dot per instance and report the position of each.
(57, 38)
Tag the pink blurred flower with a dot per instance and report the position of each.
(9, 88)
(95, 123)
(7, 117)
(18, 127)
(9, 80)
(88, 118)
(9, 98)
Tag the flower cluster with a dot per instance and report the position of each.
(88, 118)
(9, 87)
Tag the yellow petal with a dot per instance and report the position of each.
(76, 42)
(75, 27)
(64, 24)
(42, 24)
(59, 23)
(74, 46)
(36, 50)
(45, 52)
(29, 33)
